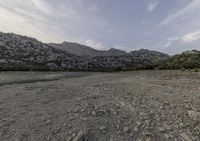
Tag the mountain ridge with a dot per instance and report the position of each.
(86, 51)
(24, 53)
(186, 60)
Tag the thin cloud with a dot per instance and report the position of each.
(187, 12)
(93, 9)
(101, 27)
(42, 6)
(180, 27)
(191, 37)
(47, 20)
(93, 44)
(171, 41)
(152, 5)
(29, 23)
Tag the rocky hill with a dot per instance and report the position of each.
(82, 50)
(186, 60)
(25, 53)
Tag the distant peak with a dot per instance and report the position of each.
(111, 49)
(114, 49)
(65, 42)
(191, 51)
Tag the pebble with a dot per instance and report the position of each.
(186, 137)
(131, 134)
(155, 98)
(138, 123)
(103, 129)
(126, 130)
(194, 115)
(167, 136)
(161, 107)
(136, 129)
(94, 113)
(47, 122)
(82, 110)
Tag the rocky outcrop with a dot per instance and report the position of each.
(82, 50)
(25, 53)
(185, 60)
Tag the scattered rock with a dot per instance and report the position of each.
(146, 123)
(126, 129)
(167, 136)
(83, 135)
(194, 115)
(131, 135)
(186, 137)
(94, 114)
(138, 123)
(103, 129)
(161, 107)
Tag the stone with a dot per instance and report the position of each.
(103, 129)
(82, 110)
(47, 122)
(167, 136)
(131, 135)
(155, 98)
(166, 102)
(147, 122)
(126, 129)
(161, 129)
(138, 123)
(161, 107)
(186, 137)
(142, 114)
(94, 113)
(194, 115)
(83, 135)
(136, 129)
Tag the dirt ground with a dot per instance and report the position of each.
(126, 106)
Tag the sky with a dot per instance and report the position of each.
(170, 26)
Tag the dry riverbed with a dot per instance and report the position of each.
(126, 106)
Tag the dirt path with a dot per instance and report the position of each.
(141, 106)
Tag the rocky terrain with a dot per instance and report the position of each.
(82, 50)
(24, 53)
(139, 106)
(185, 60)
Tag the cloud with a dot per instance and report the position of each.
(100, 27)
(191, 37)
(94, 8)
(180, 27)
(29, 23)
(185, 13)
(42, 6)
(49, 20)
(152, 5)
(168, 44)
(170, 41)
(93, 44)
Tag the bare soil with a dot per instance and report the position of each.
(126, 106)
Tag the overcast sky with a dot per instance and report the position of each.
(171, 26)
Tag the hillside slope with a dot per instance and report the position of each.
(24, 53)
(82, 50)
(186, 60)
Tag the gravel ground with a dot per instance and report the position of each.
(127, 106)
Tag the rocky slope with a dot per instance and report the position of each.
(82, 50)
(127, 106)
(186, 60)
(24, 53)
